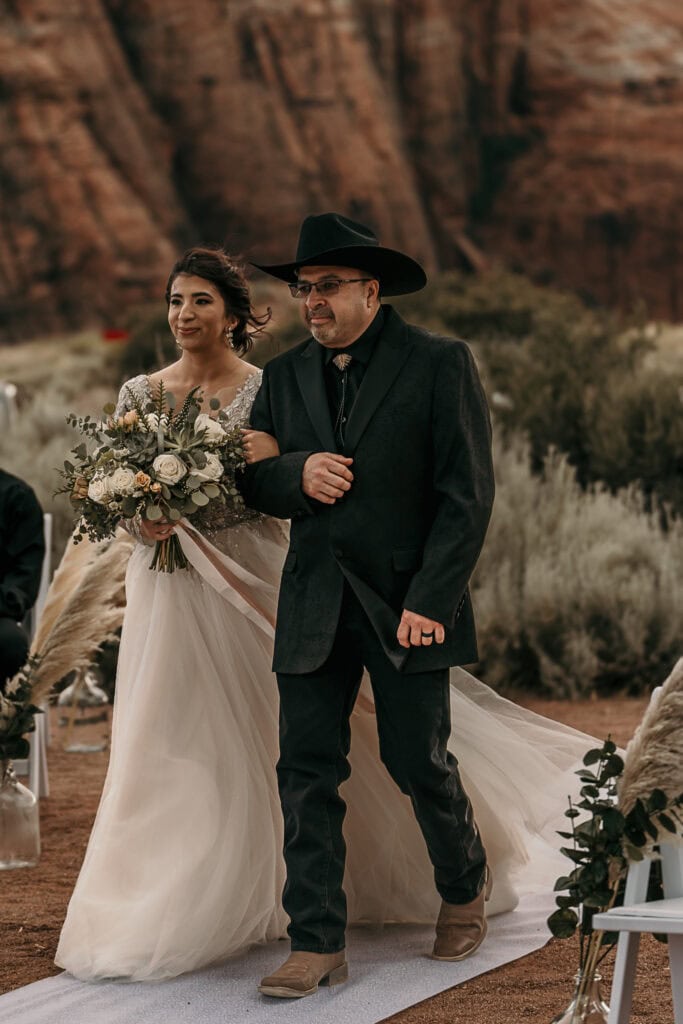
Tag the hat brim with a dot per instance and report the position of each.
(397, 273)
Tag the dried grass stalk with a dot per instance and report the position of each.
(84, 611)
(654, 757)
(68, 575)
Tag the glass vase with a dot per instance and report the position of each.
(19, 822)
(83, 716)
(587, 1005)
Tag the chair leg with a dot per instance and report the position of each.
(676, 964)
(621, 997)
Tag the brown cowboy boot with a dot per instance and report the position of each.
(302, 972)
(461, 928)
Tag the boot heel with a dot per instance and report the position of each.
(337, 976)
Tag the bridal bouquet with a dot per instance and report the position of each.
(154, 462)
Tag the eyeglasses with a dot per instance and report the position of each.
(324, 288)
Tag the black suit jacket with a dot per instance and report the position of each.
(22, 547)
(409, 531)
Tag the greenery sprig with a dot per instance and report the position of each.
(17, 713)
(604, 842)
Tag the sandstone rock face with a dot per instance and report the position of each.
(545, 134)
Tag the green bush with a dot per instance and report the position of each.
(577, 590)
(569, 377)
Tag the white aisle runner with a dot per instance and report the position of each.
(389, 971)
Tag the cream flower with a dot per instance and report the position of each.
(213, 431)
(169, 468)
(98, 490)
(152, 421)
(213, 470)
(121, 481)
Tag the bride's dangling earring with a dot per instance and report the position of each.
(228, 337)
(178, 343)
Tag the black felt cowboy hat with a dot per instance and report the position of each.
(331, 240)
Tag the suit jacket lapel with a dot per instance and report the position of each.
(309, 374)
(392, 349)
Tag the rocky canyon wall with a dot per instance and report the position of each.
(547, 135)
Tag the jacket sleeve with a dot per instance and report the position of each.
(25, 548)
(273, 486)
(463, 485)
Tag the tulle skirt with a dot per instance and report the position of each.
(184, 865)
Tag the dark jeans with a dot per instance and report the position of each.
(413, 722)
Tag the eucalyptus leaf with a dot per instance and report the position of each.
(153, 513)
(657, 800)
(199, 498)
(666, 822)
(562, 923)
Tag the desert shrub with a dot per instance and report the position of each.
(568, 376)
(492, 306)
(577, 590)
(636, 433)
(53, 377)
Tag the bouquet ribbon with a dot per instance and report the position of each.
(232, 581)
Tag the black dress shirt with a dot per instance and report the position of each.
(22, 547)
(361, 352)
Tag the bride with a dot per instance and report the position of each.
(184, 865)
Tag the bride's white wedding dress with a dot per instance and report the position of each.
(184, 864)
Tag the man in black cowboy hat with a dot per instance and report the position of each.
(385, 471)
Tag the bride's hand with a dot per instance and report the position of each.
(159, 530)
(258, 446)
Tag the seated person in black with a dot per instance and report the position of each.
(22, 548)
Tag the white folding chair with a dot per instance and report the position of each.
(638, 916)
(35, 765)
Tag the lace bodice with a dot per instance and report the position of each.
(236, 413)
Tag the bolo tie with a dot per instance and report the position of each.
(342, 363)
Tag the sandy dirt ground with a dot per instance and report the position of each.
(533, 990)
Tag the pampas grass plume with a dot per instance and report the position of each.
(654, 757)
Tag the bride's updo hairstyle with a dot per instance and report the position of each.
(227, 276)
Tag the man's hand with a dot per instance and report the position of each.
(326, 477)
(417, 631)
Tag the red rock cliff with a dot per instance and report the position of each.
(544, 134)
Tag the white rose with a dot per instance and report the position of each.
(213, 470)
(121, 481)
(169, 468)
(98, 490)
(213, 431)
